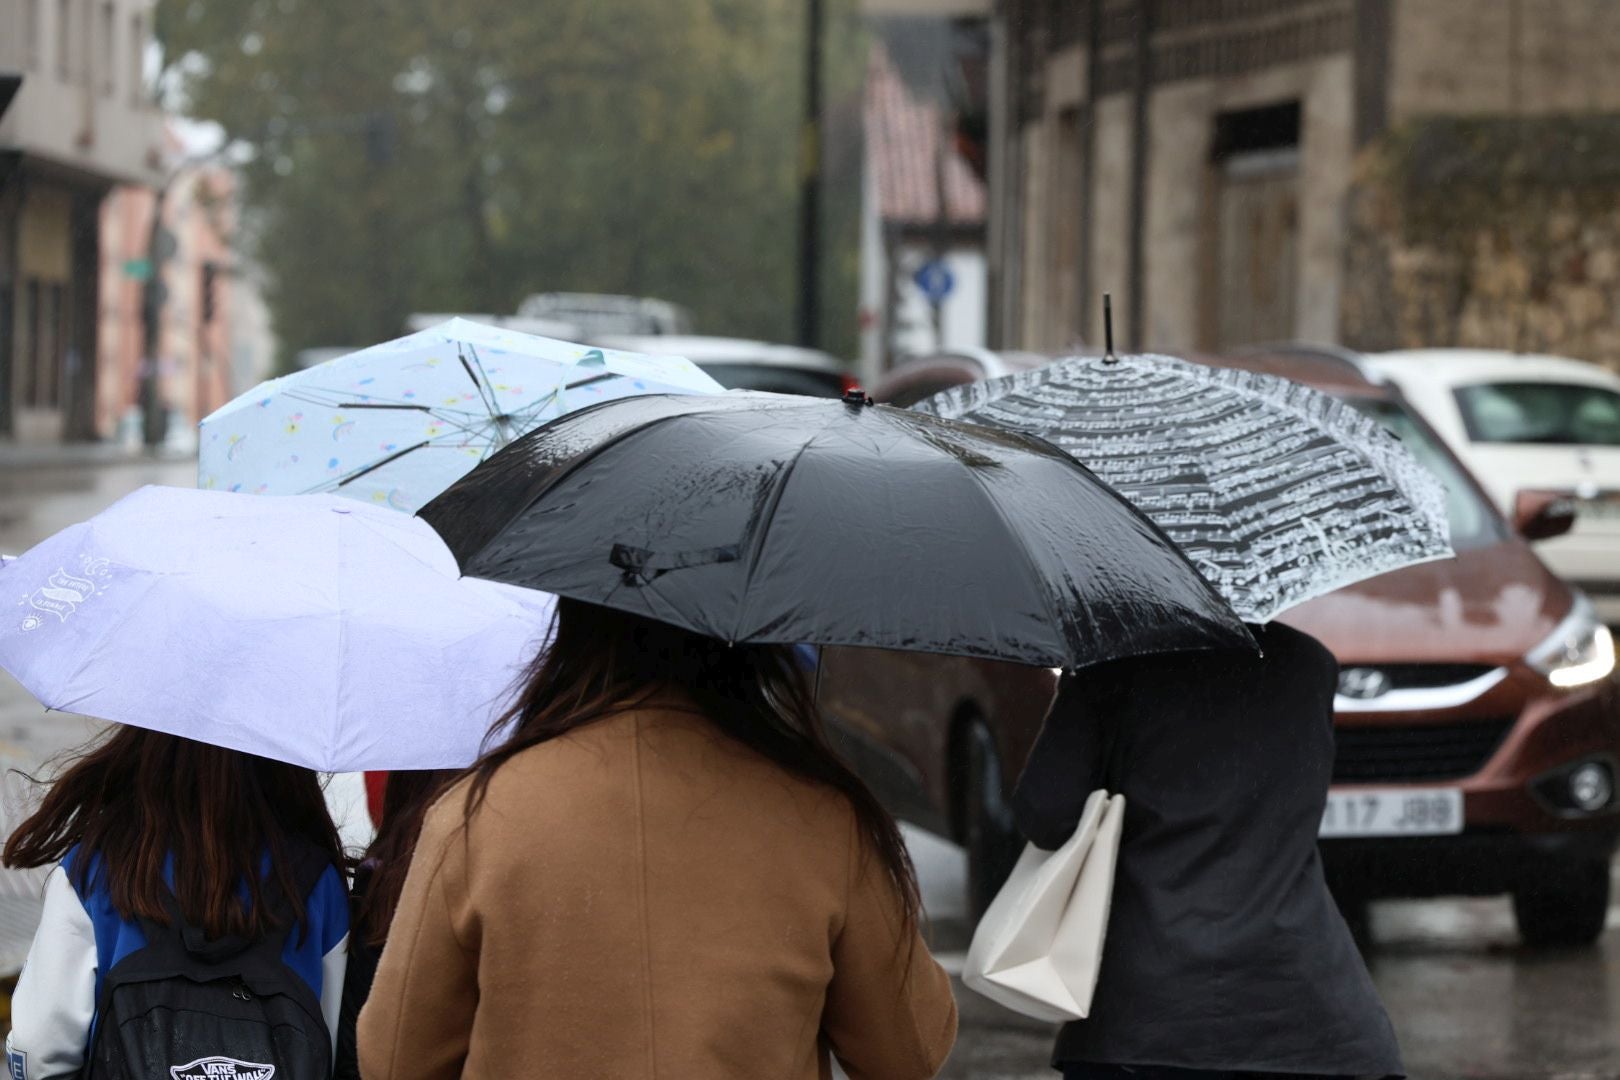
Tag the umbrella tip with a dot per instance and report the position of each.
(857, 397)
(1108, 330)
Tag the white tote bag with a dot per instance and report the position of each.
(1038, 947)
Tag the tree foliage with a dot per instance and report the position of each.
(443, 155)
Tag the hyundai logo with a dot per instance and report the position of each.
(1363, 683)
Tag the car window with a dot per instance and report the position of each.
(1474, 522)
(1560, 414)
(776, 379)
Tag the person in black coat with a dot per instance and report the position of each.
(1225, 954)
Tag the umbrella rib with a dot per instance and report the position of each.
(378, 405)
(485, 391)
(769, 519)
(573, 466)
(494, 400)
(306, 396)
(1019, 541)
(528, 412)
(425, 444)
(374, 466)
(483, 394)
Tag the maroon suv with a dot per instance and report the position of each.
(1478, 715)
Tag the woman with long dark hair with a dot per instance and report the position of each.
(143, 824)
(663, 871)
(374, 895)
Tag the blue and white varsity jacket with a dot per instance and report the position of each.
(81, 937)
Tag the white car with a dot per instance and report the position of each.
(1540, 424)
(741, 364)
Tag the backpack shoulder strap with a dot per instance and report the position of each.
(309, 865)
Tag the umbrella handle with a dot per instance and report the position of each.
(642, 566)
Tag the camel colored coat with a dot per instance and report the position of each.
(643, 898)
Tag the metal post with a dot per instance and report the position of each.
(154, 421)
(810, 138)
(1137, 256)
(944, 132)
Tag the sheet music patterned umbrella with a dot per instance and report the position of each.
(1275, 491)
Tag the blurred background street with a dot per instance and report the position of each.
(1412, 206)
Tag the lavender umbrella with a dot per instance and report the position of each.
(310, 629)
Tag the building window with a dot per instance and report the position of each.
(137, 61)
(1252, 288)
(64, 40)
(108, 61)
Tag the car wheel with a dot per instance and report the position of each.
(1564, 906)
(990, 836)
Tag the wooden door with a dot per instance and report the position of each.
(1256, 264)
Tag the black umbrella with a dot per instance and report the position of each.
(781, 519)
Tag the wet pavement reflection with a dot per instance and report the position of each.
(1466, 998)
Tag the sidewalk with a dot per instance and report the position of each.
(18, 456)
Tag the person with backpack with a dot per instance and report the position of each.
(194, 925)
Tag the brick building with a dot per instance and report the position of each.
(1378, 172)
(213, 336)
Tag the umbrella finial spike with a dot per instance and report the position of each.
(1108, 330)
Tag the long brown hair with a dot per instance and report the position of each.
(135, 798)
(406, 799)
(603, 662)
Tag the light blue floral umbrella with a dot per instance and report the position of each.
(399, 422)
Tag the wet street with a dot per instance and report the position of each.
(1467, 1000)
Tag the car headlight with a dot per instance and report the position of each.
(1578, 652)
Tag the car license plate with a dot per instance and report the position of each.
(1393, 812)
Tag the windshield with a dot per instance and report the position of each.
(1474, 523)
(1557, 414)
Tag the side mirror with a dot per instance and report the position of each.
(1542, 515)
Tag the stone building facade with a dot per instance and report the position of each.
(1373, 172)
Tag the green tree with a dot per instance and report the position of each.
(459, 154)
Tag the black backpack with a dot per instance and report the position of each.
(186, 1008)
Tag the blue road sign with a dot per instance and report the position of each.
(935, 280)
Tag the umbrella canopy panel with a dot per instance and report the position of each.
(770, 518)
(1276, 492)
(399, 422)
(312, 630)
